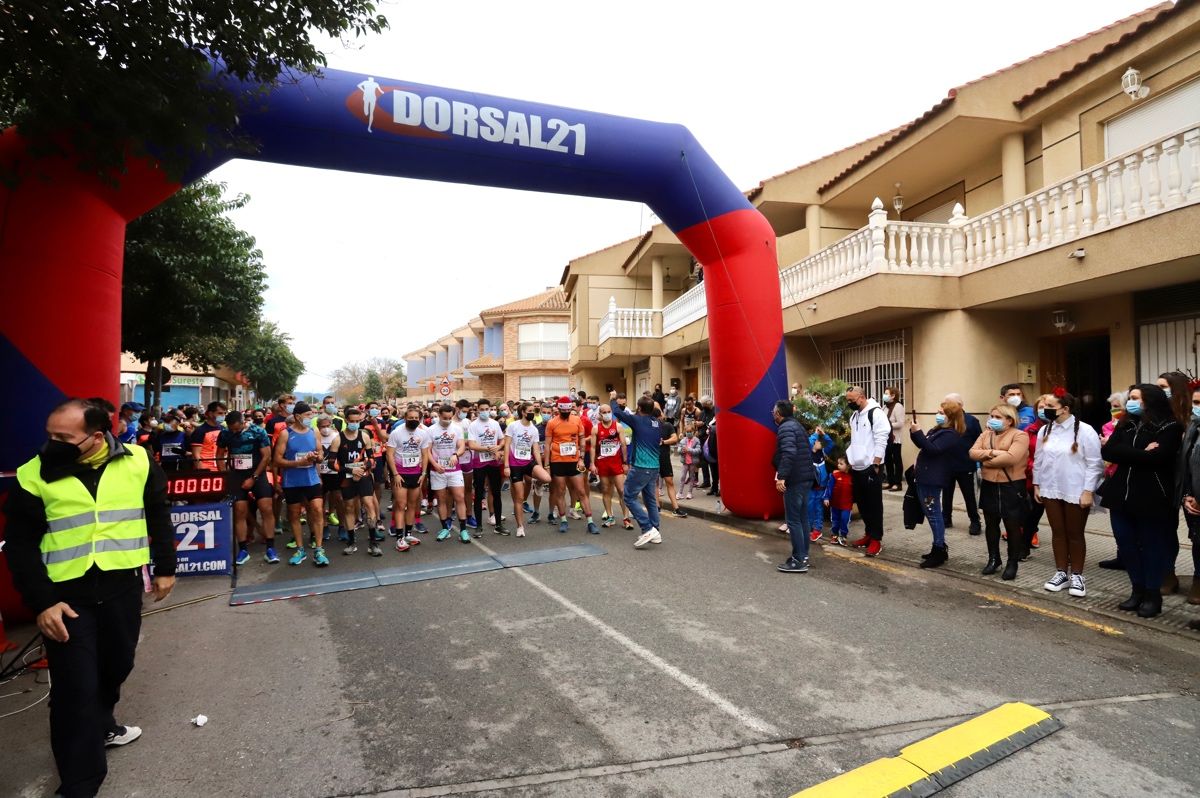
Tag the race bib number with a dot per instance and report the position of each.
(243, 462)
(567, 449)
(523, 451)
(609, 448)
(171, 449)
(485, 457)
(410, 460)
(444, 462)
(323, 468)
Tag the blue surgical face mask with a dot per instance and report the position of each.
(995, 424)
(290, 408)
(1167, 391)
(352, 426)
(940, 419)
(484, 415)
(135, 418)
(219, 419)
(374, 411)
(331, 409)
(1133, 407)
(1196, 412)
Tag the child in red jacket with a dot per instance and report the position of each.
(839, 498)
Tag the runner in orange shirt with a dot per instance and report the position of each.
(565, 440)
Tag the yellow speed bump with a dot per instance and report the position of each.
(949, 756)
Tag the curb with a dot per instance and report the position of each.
(770, 529)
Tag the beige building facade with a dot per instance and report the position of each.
(1040, 225)
(516, 350)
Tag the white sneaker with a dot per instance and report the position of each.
(127, 735)
(1077, 588)
(649, 536)
(520, 531)
(1057, 582)
(412, 539)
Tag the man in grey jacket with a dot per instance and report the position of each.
(794, 477)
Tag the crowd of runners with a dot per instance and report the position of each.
(381, 474)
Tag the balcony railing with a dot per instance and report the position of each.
(627, 323)
(685, 309)
(1162, 176)
(1124, 189)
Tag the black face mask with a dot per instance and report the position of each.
(564, 413)
(412, 423)
(529, 416)
(1049, 414)
(58, 454)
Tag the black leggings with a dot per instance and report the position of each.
(893, 465)
(493, 477)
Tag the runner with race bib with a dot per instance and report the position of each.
(611, 465)
(565, 436)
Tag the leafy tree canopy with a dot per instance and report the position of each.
(193, 281)
(113, 74)
(264, 354)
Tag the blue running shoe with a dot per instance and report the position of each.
(472, 523)
(420, 528)
(562, 528)
(270, 555)
(525, 506)
(298, 557)
(319, 558)
(593, 529)
(343, 535)
(535, 517)
(464, 536)
(445, 533)
(243, 557)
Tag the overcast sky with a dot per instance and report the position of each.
(764, 86)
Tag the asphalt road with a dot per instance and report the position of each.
(690, 668)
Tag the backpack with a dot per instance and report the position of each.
(871, 423)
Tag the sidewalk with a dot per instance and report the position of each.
(968, 554)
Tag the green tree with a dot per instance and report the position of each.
(373, 387)
(193, 283)
(264, 354)
(395, 385)
(111, 76)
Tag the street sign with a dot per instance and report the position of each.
(445, 389)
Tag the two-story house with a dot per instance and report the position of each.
(1039, 225)
(518, 349)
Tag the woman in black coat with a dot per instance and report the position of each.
(1187, 493)
(1141, 494)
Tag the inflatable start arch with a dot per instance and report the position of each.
(62, 236)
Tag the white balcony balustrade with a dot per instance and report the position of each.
(627, 322)
(685, 309)
(1157, 178)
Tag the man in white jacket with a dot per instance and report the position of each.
(869, 430)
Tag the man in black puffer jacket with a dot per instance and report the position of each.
(794, 477)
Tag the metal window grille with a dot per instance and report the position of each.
(872, 363)
(1168, 346)
(705, 375)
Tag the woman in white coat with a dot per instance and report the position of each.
(1067, 469)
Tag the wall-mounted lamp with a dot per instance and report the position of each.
(812, 308)
(898, 201)
(1131, 84)
(1062, 321)
(1077, 254)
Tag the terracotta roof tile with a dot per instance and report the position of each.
(485, 362)
(552, 299)
(1164, 9)
(1168, 11)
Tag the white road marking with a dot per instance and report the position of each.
(690, 682)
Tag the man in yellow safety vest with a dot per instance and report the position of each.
(87, 513)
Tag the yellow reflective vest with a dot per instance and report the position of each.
(108, 531)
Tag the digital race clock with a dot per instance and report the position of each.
(197, 486)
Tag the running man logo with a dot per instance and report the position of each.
(436, 117)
